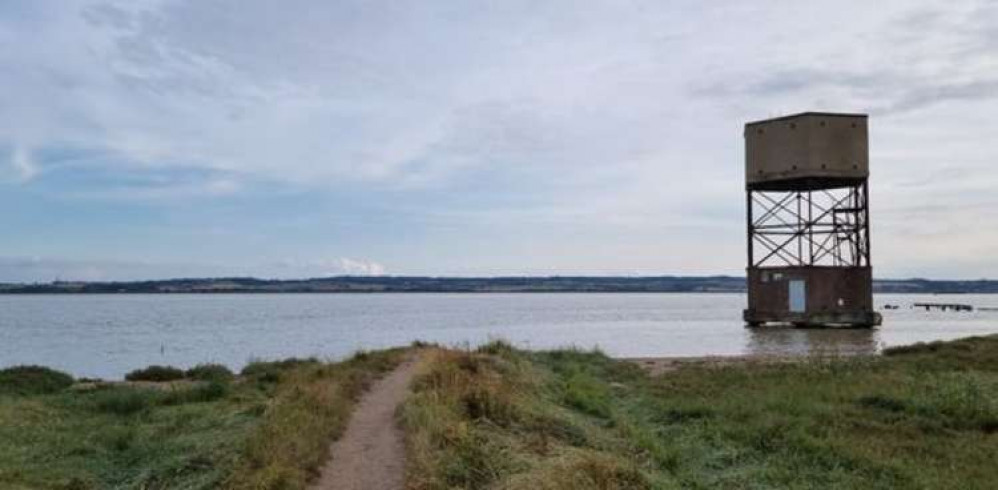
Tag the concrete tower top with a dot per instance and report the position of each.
(807, 151)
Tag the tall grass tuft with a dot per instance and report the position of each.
(270, 371)
(125, 401)
(492, 417)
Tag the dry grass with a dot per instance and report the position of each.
(489, 419)
(497, 418)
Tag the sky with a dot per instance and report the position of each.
(307, 138)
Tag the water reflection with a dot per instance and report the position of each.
(771, 341)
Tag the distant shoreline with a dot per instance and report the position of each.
(403, 284)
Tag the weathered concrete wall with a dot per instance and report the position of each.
(806, 147)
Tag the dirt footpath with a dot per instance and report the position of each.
(370, 455)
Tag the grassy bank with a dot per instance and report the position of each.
(268, 428)
(919, 417)
(923, 416)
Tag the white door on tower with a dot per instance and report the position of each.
(798, 296)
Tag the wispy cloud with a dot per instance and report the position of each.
(915, 58)
(22, 164)
(328, 267)
(44, 269)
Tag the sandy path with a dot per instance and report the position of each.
(370, 455)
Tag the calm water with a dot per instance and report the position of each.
(106, 336)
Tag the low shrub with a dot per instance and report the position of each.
(156, 374)
(128, 401)
(498, 347)
(33, 380)
(270, 371)
(125, 401)
(209, 372)
(200, 393)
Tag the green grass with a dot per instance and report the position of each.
(32, 380)
(923, 416)
(268, 430)
(918, 417)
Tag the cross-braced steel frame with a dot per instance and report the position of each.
(819, 227)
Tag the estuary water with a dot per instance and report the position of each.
(106, 336)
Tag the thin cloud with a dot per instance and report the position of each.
(23, 165)
(45, 269)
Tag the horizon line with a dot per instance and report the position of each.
(443, 277)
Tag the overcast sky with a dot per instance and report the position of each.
(152, 139)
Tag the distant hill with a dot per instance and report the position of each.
(402, 284)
